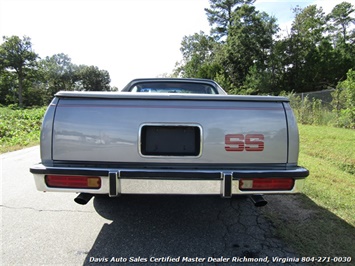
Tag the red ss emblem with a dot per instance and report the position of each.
(240, 142)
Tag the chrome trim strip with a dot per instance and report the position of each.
(179, 187)
(168, 96)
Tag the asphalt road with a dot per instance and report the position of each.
(51, 229)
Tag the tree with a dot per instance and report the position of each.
(199, 44)
(17, 55)
(251, 58)
(249, 43)
(302, 56)
(344, 101)
(91, 78)
(340, 20)
(220, 14)
(312, 63)
(198, 52)
(58, 73)
(8, 83)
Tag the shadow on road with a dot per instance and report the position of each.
(163, 227)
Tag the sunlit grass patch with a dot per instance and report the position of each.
(19, 128)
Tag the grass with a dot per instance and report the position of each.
(329, 154)
(19, 128)
(325, 222)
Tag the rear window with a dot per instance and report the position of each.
(173, 87)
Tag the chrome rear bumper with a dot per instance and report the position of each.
(169, 181)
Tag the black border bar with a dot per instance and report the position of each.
(174, 174)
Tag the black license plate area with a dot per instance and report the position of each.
(170, 140)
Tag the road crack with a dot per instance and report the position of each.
(41, 210)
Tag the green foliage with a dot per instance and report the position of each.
(16, 55)
(341, 112)
(19, 126)
(258, 81)
(58, 73)
(248, 55)
(223, 80)
(249, 43)
(198, 53)
(339, 21)
(344, 101)
(310, 111)
(91, 78)
(29, 81)
(329, 154)
(8, 83)
(220, 15)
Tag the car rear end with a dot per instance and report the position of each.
(131, 143)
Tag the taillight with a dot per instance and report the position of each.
(266, 184)
(73, 181)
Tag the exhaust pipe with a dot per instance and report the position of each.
(258, 200)
(83, 198)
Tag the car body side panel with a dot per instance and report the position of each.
(47, 133)
(293, 135)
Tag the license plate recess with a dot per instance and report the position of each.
(170, 140)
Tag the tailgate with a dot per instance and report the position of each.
(151, 131)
